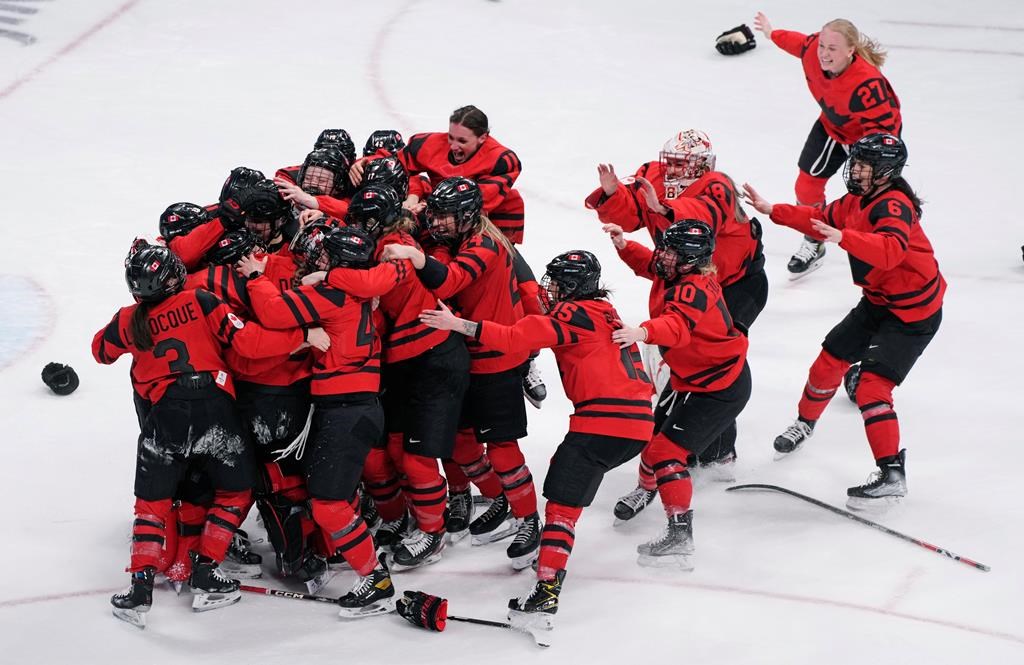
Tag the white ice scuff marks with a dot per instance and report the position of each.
(261, 431)
(219, 444)
(151, 454)
(265, 435)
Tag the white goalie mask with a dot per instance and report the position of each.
(685, 157)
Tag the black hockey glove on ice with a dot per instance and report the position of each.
(733, 42)
(61, 379)
(423, 610)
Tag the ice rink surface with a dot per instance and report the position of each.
(116, 109)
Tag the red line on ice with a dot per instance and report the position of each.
(78, 41)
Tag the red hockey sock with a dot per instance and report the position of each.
(381, 481)
(668, 461)
(396, 451)
(149, 533)
(457, 480)
(347, 534)
(222, 520)
(874, 397)
(557, 539)
(516, 479)
(810, 191)
(822, 381)
(469, 453)
(428, 492)
(645, 477)
(190, 528)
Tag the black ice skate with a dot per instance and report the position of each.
(534, 613)
(316, 571)
(419, 549)
(132, 604)
(526, 545)
(390, 533)
(533, 385)
(211, 588)
(886, 486)
(806, 259)
(459, 515)
(793, 437)
(373, 594)
(673, 547)
(240, 562)
(630, 505)
(495, 523)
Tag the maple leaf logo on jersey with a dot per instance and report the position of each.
(834, 116)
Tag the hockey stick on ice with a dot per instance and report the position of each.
(857, 518)
(542, 636)
(281, 593)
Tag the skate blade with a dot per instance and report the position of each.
(177, 588)
(339, 565)
(538, 625)
(399, 567)
(204, 602)
(456, 536)
(496, 535)
(525, 561)
(779, 455)
(873, 506)
(241, 571)
(314, 585)
(536, 403)
(380, 607)
(683, 562)
(794, 276)
(136, 618)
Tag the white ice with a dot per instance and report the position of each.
(121, 107)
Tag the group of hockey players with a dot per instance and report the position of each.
(349, 347)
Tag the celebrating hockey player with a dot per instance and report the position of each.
(878, 224)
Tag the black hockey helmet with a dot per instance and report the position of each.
(307, 247)
(180, 218)
(153, 272)
(240, 178)
(457, 196)
(387, 171)
(374, 208)
(884, 153)
(574, 275)
(387, 139)
(231, 247)
(337, 138)
(685, 246)
(350, 247)
(325, 173)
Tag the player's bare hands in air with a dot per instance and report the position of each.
(318, 339)
(399, 252)
(247, 265)
(651, 196)
(759, 203)
(314, 278)
(292, 193)
(614, 232)
(626, 335)
(828, 233)
(762, 24)
(309, 215)
(609, 181)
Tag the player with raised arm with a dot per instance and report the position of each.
(842, 69)
(878, 225)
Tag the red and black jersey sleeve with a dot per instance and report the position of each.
(627, 207)
(225, 283)
(792, 42)
(332, 207)
(474, 258)
(885, 245)
(292, 308)
(496, 183)
(372, 282)
(193, 246)
(249, 339)
(289, 174)
(107, 343)
(638, 258)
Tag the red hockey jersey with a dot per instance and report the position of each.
(493, 167)
(352, 364)
(610, 392)
(711, 199)
(858, 102)
(189, 331)
(483, 284)
(890, 256)
(692, 326)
